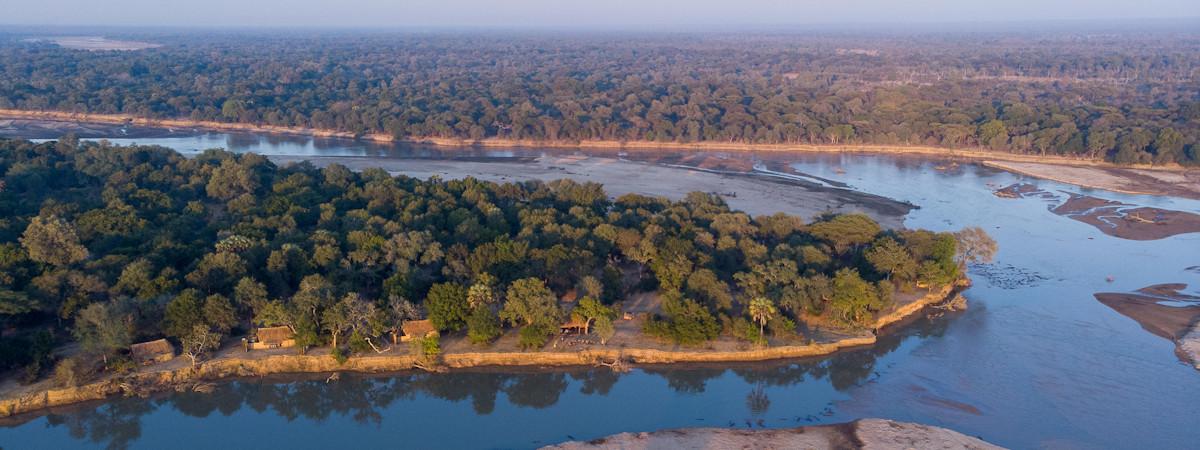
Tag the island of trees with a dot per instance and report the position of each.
(105, 246)
(1123, 96)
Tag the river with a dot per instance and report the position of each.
(1034, 362)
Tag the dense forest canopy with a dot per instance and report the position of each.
(1129, 97)
(110, 245)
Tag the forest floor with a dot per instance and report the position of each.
(860, 434)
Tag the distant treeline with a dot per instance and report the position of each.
(1128, 98)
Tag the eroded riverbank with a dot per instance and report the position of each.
(232, 363)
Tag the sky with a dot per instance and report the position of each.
(574, 13)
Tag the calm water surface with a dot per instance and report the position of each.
(1035, 362)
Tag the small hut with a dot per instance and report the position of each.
(273, 337)
(146, 353)
(576, 324)
(417, 329)
(570, 296)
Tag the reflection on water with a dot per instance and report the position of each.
(1035, 361)
(369, 406)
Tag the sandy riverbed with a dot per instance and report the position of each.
(753, 194)
(1154, 180)
(1110, 178)
(1123, 220)
(1164, 311)
(97, 43)
(860, 434)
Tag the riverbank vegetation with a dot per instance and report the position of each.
(105, 246)
(1122, 96)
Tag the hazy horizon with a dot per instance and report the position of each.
(596, 14)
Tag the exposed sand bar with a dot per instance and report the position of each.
(1189, 346)
(755, 195)
(1179, 183)
(1142, 178)
(1178, 321)
(96, 43)
(860, 434)
(1123, 220)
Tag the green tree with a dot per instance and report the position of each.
(447, 306)
(232, 179)
(315, 294)
(993, 134)
(591, 310)
(336, 320)
(140, 281)
(703, 284)
(890, 258)
(605, 329)
(51, 240)
(249, 294)
(673, 264)
(530, 302)
(846, 231)
(483, 326)
(217, 272)
(104, 328)
(482, 293)
(853, 299)
(686, 322)
(183, 313)
(1168, 146)
(761, 311)
(219, 313)
(534, 336)
(590, 286)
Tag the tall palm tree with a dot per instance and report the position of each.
(762, 310)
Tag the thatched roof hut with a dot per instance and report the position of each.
(273, 337)
(417, 329)
(152, 352)
(576, 324)
(569, 296)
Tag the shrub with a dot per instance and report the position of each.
(686, 323)
(781, 327)
(31, 372)
(427, 348)
(535, 336)
(121, 364)
(743, 329)
(71, 372)
(358, 343)
(340, 356)
(483, 326)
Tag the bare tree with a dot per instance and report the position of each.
(975, 246)
(200, 342)
(400, 310)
